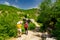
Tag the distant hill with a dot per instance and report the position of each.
(6, 7)
(11, 9)
(32, 13)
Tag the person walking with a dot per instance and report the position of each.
(19, 25)
(26, 27)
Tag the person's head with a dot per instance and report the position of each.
(26, 21)
(21, 21)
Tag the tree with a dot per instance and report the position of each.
(45, 11)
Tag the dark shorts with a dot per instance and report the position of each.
(26, 28)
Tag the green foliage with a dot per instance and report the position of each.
(23, 30)
(7, 25)
(44, 11)
(8, 21)
(30, 13)
(31, 26)
(48, 10)
(9, 16)
(1, 38)
(56, 32)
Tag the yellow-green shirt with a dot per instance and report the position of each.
(19, 26)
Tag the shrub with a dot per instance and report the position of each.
(31, 26)
(8, 24)
(56, 32)
(1, 38)
(23, 30)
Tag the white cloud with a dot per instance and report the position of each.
(7, 3)
(15, 6)
(34, 7)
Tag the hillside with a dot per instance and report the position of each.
(6, 7)
(31, 13)
(10, 9)
(9, 16)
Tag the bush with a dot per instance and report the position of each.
(8, 24)
(56, 32)
(23, 30)
(1, 38)
(41, 19)
(31, 26)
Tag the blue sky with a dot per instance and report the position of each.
(23, 4)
